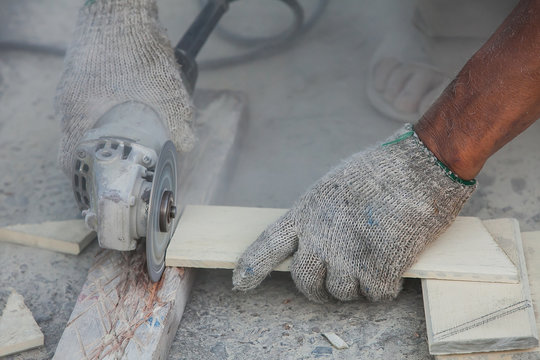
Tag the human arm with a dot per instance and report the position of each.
(494, 98)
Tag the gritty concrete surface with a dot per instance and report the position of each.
(308, 110)
(275, 321)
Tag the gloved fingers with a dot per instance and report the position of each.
(341, 286)
(275, 244)
(309, 274)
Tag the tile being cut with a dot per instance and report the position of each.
(216, 236)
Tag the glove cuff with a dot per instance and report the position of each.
(407, 132)
(119, 12)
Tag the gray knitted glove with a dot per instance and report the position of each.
(360, 227)
(120, 53)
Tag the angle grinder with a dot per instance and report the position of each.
(125, 170)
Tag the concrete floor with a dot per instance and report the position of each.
(308, 110)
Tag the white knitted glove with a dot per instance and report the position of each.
(360, 227)
(120, 53)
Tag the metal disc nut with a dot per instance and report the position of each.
(167, 211)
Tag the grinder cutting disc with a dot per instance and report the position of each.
(161, 211)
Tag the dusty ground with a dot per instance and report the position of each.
(308, 109)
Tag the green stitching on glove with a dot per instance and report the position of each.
(400, 138)
(454, 176)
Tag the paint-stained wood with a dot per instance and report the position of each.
(465, 317)
(119, 313)
(68, 236)
(18, 329)
(216, 236)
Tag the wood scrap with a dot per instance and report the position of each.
(67, 236)
(465, 317)
(18, 329)
(335, 340)
(531, 249)
(216, 236)
(119, 314)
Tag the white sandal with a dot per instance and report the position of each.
(407, 51)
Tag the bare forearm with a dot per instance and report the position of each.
(494, 98)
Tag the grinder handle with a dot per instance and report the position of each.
(191, 43)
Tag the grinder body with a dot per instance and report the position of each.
(113, 173)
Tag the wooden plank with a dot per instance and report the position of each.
(216, 236)
(68, 236)
(465, 317)
(119, 313)
(18, 329)
(531, 249)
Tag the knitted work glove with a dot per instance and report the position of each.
(120, 53)
(361, 226)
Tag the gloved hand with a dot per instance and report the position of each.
(361, 226)
(120, 53)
